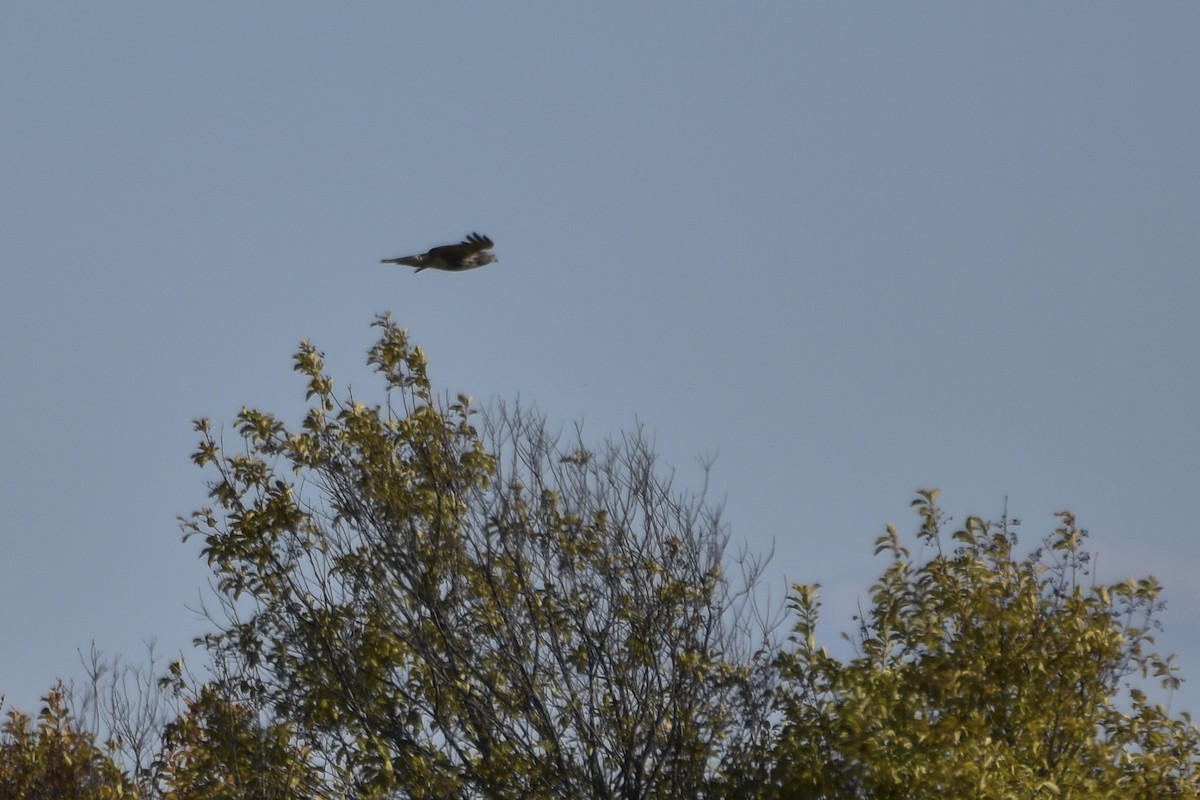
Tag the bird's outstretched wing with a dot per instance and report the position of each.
(455, 253)
(468, 254)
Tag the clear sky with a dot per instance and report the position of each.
(856, 249)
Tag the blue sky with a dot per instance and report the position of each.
(854, 249)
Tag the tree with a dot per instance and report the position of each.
(408, 605)
(56, 759)
(435, 612)
(983, 675)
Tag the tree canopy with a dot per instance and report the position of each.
(57, 757)
(419, 599)
(981, 674)
(442, 612)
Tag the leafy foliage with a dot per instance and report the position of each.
(418, 600)
(217, 749)
(439, 615)
(56, 758)
(983, 675)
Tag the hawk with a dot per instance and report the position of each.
(474, 251)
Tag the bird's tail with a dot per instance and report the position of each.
(407, 261)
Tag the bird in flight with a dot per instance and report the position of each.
(472, 252)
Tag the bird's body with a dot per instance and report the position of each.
(474, 251)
